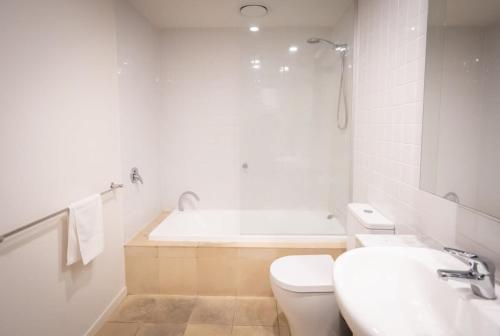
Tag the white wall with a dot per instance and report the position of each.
(388, 123)
(138, 44)
(219, 112)
(59, 139)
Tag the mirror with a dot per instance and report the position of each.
(461, 123)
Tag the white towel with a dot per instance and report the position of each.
(85, 230)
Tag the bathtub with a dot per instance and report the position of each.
(267, 226)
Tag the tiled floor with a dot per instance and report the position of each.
(161, 315)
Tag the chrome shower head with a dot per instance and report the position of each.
(337, 47)
(318, 40)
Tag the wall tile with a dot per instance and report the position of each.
(386, 170)
(178, 276)
(141, 274)
(217, 276)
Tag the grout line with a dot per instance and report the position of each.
(138, 328)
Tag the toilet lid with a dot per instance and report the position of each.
(304, 273)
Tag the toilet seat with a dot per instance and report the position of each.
(304, 273)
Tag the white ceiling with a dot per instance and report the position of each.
(225, 13)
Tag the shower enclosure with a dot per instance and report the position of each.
(257, 124)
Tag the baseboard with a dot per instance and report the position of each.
(105, 315)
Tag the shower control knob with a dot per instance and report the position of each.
(244, 165)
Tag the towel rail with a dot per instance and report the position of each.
(112, 187)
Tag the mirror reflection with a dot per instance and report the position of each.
(461, 124)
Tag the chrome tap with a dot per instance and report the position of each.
(181, 199)
(135, 176)
(480, 275)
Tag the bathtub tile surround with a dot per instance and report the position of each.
(241, 271)
(197, 268)
(196, 316)
(387, 127)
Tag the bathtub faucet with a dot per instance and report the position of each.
(181, 199)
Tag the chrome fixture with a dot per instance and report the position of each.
(480, 275)
(135, 176)
(181, 199)
(451, 196)
(112, 188)
(342, 49)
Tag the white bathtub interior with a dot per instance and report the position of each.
(248, 225)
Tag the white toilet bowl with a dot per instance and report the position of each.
(303, 286)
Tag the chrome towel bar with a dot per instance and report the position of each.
(112, 187)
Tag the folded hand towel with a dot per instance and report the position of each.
(85, 230)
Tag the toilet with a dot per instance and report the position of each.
(303, 284)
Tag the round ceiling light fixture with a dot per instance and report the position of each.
(253, 11)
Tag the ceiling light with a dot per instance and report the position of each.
(284, 69)
(254, 29)
(293, 49)
(255, 61)
(256, 66)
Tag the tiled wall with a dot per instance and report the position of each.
(221, 111)
(242, 271)
(138, 55)
(388, 100)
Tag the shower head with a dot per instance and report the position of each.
(337, 47)
(318, 40)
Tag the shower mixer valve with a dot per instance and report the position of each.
(135, 176)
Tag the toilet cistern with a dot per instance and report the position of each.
(180, 204)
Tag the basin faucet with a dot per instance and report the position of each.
(181, 199)
(480, 275)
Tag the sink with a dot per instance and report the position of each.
(396, 291)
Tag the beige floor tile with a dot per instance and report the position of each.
(255, 331)
(256, 312)
(284, 328)
(117, 328)
(135, 308)
(178, 276)
(208, 330)
(214, 310)
(155, 309)
(161, 329)
(174, 309)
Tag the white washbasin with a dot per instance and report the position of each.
(395, 291)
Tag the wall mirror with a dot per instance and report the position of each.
(461, 122)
